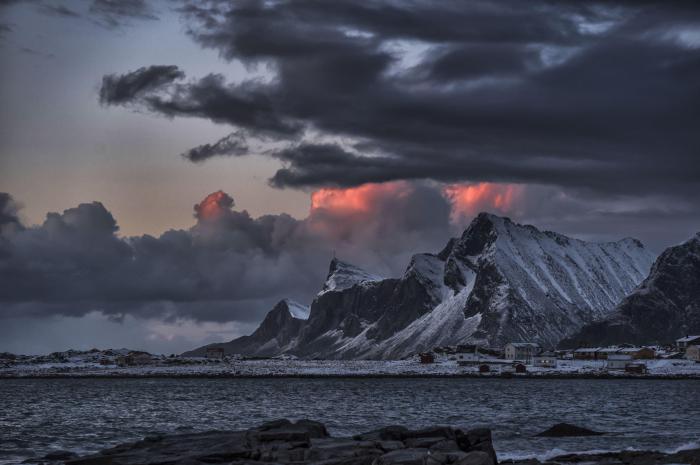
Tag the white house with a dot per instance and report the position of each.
(522, 351)
(618, 361)
(545, 360)
(684, 342)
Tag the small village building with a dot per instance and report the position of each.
(215, 353)
(520, 368)
(618, 361)
(141, 358)
(641, 353)
(636, 368)
(466, 349)
(521, 351)
(693, 353)
(586, 353)
(134, 358)
(683, 343)
(605, 352)
(427, 357)
(484, 368)
(545, 360)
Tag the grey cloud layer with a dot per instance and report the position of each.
(232, 267)
(116, 13)
(111, 14)
(591, 95)
(228, 267)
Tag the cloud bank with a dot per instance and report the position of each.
(587, 96)
(228, 266)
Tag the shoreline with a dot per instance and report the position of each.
(679, 377)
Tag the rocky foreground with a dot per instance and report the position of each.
(308, 442)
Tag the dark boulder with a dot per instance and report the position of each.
(388, 433)
(404, 457)
(304, 442)
(476, 458)
(563, 430)
(60, 455)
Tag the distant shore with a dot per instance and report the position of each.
(345, 376)
(80, 367)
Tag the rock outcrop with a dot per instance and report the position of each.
(627, 457)
(277, 332)
(305, 442)
(564, 430)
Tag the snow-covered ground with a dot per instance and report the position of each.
(294, 367)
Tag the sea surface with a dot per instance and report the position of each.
(86, 415)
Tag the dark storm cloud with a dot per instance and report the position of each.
(233, 144)
(118, 13)
(573, 94)
(7, 3)
(8, 212)
(4, 30)
(228, 267)
(464, 62)
(247, 106)
(59, 10)
(129, 87)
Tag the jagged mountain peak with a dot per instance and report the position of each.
(481, 232)
(343, 275)
(632, 241)
(276, 333)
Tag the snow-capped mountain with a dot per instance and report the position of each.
(343, 275)
(275, 334)
(666, 306)
(499, 282)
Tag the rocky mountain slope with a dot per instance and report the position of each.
(499, 282)
(275, 334)
(664, 307)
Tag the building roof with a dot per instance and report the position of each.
(688, 338)
(619, 357)
(587, 349)
(523, 344)
(631, 350)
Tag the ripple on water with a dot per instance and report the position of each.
(86, 415)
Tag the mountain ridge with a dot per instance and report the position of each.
(499, 281)
(664, 307)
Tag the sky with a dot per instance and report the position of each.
(169, 170)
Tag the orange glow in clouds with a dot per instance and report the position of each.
(357, 199)
(466, 200)
(469, 199)
(213, 206)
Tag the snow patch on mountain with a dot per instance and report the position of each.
(297, 310)
(342, 275)
(445, 325)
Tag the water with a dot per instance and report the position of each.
(85, 415)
